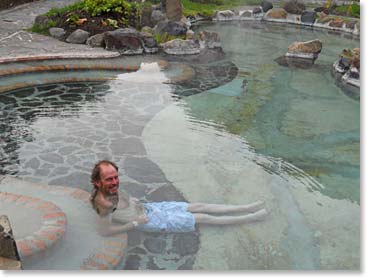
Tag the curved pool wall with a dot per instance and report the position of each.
(229, 142)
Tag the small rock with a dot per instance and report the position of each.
(78, 37)
(58, 33)
(96, 41)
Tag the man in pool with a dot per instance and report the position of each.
(129, 213)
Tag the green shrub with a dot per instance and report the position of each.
(349, 10)
(43, 29)
(98, 7)
(70, 8)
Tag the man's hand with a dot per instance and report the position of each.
(142, 219)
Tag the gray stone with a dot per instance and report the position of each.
(186, 244)
(166, 192)
(151, 265)
(294, 7)
(76, 180)
(225, 15)
(174, 10)
(58, 33)
(42, 20)
(52, 158)
(308, 17)
(132, 262)
(266, 5)
(146, 16)
(143, 170)
(96, 41)
(127, 146)
(157, 16)
(181, 47)
(134, 238)
(138, 250)
(257, 10)
(155, 245)
(188, 264)
(78, 37)
(210, 40)
(128, 41)
(135, 189)
(33, 163)
(173, 28)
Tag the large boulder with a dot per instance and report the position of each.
(157, 16)
(128, 41)
(336, 22)
(146, 16)
(294, 7)
(174, 10)
(181, 47)
(79, 36)
(276, 13)
(96, 40)
(225, 15)
(209, 40)
(308, 17)
(266, 5)
(306, 50)
(173, 28)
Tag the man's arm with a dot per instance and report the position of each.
(115, 229)
(106, 228)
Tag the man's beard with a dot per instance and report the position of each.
(114, 198)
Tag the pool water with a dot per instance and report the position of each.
(291, 138)
(297, 115)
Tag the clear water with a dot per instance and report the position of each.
(292, 139)
(299, 115)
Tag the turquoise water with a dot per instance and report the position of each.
(297, 115)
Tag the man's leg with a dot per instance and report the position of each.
(225, 220)
(220, 209)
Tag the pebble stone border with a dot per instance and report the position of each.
(53, 81)
(44, 68)
(54, 226)
(58, 56)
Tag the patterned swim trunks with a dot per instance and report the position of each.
(168, 217)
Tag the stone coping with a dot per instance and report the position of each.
(42, 57)
(55, 221)
(54, 81)
(291, 19)
(51, 230)
(44, 68)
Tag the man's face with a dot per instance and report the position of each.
(109, 183)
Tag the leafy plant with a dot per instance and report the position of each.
(72, 18)
(349, 10)
(98, 7)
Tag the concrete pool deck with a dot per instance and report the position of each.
(18, 44)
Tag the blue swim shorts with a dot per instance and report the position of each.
(168, 217)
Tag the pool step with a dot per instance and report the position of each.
(22, 74)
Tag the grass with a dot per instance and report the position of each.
(193, 8)
(70, 8)
(349, 10)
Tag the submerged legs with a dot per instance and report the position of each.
(224, 220)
